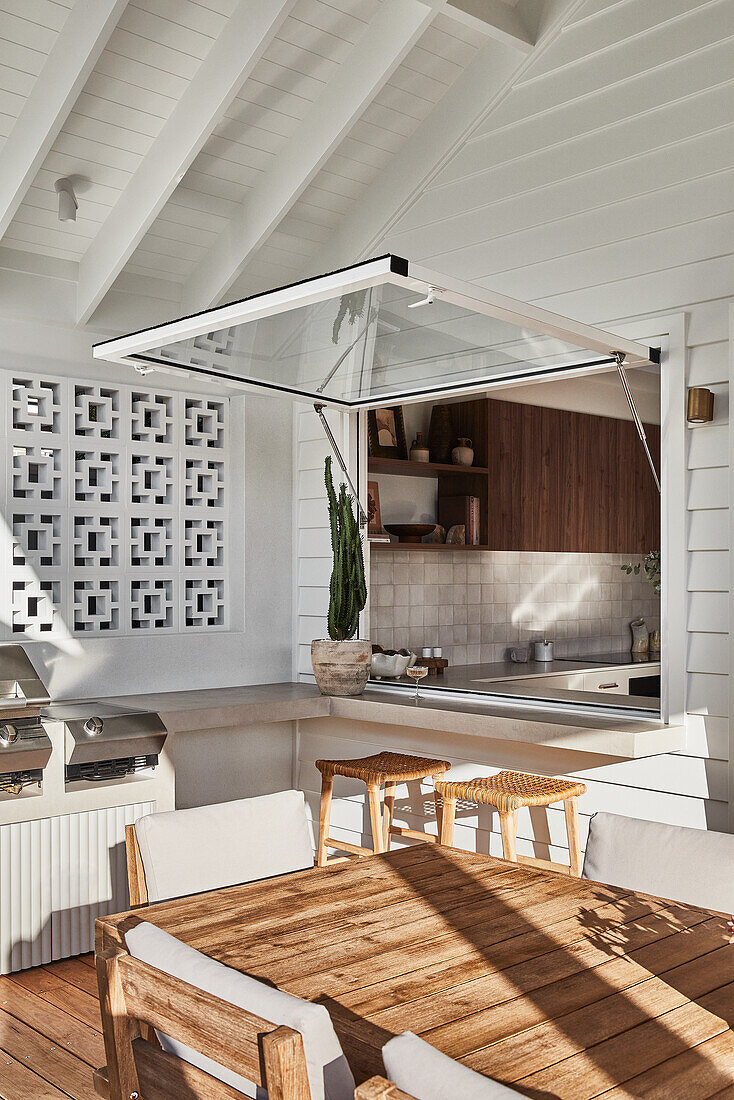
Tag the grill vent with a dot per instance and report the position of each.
(96, 771)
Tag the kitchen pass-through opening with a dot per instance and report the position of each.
(385, 342)
(514, 543)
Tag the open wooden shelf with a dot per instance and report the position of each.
(431, 546)
(419, 469)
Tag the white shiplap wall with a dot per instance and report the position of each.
(311, 522)
(601, 188)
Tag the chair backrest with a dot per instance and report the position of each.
(183, 852)
(245, 1052)
(210, 1016)
(424, 1073)
(689, 865)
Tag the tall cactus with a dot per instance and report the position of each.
(347, 588)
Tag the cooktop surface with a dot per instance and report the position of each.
(624, 658)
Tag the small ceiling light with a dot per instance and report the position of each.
(67, 200)
(700, 406)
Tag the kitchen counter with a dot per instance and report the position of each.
(472, 677)
(564, 680)
(488, 717)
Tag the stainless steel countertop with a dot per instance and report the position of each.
(519, 679)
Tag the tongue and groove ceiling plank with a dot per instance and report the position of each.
(477, 92)
(387, 39)
(210, 93)
(72, 58)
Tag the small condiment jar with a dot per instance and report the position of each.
(419, 450)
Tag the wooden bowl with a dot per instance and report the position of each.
(410, 532)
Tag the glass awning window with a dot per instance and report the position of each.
(380, 331)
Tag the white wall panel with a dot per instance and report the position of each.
(601, 188)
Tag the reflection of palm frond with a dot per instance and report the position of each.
(351, 305)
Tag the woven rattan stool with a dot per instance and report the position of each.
(508, 791)
(385, 768)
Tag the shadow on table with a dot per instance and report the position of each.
(630, 952)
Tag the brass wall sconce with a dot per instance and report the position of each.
(700, 406)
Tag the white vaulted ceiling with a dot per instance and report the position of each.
(220, 147)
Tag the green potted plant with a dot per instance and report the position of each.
(341, 662)
(651, 565)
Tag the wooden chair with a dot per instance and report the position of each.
(182, 852)
(379, 1088)
(135, 873)
(695, 866)
(132, 992)
(384, 768)
(429, 1074)
(508, 791)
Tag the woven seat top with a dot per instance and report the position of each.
(510, 790)
(384, 767)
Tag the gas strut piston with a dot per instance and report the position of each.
(619, 357)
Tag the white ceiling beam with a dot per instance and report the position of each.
(65, 71)
(220, 76)
(476, 93)
(495, 19)
(381, 48)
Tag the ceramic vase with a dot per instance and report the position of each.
(639, 636)
(440, 434)
(463, 453)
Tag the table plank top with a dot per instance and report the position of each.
(555, 985)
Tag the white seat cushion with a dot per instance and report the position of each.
(329, 1075)
(190, 851)
(670, 861)
(426, 1074)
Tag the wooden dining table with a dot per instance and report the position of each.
(557, 986)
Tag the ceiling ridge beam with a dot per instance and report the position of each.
(381, 48)
(229, 62)
(64, 73)
(494, 19)
(473, 96)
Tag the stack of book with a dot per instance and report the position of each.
(461, 510)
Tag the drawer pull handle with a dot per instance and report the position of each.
(603, 687)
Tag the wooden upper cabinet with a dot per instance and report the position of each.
(569, 482)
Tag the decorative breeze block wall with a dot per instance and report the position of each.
(116, 507)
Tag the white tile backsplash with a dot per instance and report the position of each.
(476, 609)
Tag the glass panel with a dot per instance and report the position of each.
(370, 344)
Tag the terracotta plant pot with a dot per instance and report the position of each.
(341, 668)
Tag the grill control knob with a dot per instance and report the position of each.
(8, 734)
(93, 726)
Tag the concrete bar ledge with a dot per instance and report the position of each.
(625, 738)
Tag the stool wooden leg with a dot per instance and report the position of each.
(508, 825)
(571, 808)
(373, 797)
(439, 806)
(327, 785)
(387, 815)
(448, 813)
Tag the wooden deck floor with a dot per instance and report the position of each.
(50, 1032)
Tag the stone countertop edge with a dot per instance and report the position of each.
(185, 711)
